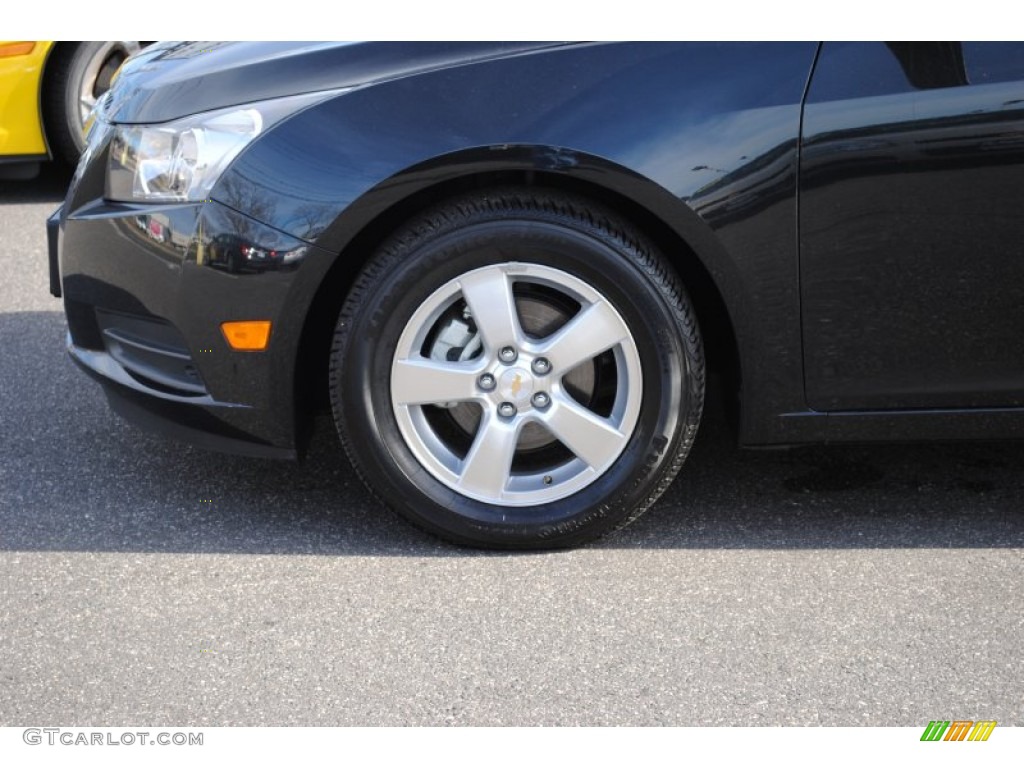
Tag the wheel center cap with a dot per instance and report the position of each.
(515, 385)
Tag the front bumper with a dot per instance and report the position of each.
(53, 250)
(145, 291)
(199, 423)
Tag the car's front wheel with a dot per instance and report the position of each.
(517, 370)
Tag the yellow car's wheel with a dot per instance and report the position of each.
(80, 74)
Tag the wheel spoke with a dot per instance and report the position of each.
(488, 293)
(595, 329)
(86, 103)
(593, 439)
(486, 467)
(419, 381)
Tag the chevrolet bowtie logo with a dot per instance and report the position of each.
(517, 384)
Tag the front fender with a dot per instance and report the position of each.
(702, 136)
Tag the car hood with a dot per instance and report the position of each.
(174, 79)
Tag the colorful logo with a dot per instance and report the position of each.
(958, 730)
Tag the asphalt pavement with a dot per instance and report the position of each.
(146, 582)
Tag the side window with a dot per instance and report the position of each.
(994, 62)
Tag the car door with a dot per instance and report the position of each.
(912, 226)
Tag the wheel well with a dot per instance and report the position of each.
(720, 347)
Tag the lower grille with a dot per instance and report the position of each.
(151, 351)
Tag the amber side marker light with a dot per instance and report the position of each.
(248, 335)
(16, 48)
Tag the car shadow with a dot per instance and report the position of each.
(73, 477)
(50, 186)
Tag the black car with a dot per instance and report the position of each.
(508, 266)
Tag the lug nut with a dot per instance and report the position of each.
(487, 382)
(507, 355)
(506, 410)
(541, 366)
(540, 400)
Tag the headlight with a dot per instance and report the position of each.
(182, 160)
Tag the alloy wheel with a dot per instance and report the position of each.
(534, 441)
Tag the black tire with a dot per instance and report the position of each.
(584, 247)
(74, 68)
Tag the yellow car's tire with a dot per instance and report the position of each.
(78, 74)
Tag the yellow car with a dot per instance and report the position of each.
(47, 90)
